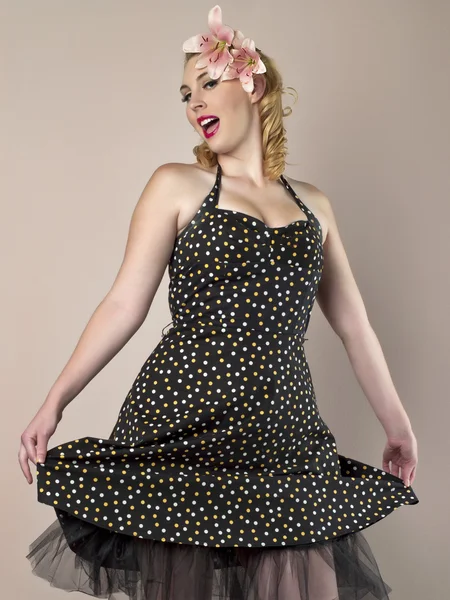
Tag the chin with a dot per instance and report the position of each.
(219, 146)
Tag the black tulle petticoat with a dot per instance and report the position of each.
(74, 555)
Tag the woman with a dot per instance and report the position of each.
(220, 478)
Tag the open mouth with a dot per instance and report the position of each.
(211, 126)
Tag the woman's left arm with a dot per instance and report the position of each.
(340, 301)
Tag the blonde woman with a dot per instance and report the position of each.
(220, 479)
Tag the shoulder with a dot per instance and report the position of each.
(183, 180)
(181, 172)
(182, 184)
(308, 191)
(316, 200)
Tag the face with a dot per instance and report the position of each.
(231, 106)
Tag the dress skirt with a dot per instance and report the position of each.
(76, 556)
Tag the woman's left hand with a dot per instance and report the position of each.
(401, 453)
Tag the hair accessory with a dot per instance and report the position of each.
(225, 52)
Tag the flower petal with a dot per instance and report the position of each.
(218, 62)
(248, 43)
(229, 73)
(247, 83)
(225, 34)
(215, 18)
(215, 61)
(260, 67)
(196, 42)
(203, 60)
(238, 39)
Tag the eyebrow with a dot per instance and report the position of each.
(199, 77)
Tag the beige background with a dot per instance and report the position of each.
(90, 107)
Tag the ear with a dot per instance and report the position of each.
(259, 86)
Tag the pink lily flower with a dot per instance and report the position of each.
(246, 62)
(213, 46)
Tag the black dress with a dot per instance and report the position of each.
(220, 479)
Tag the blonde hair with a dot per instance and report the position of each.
(271, 113)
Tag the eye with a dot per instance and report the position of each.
(213, 81)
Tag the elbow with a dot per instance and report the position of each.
(134, 314)
(355, 328)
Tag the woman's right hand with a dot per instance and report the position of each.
(34, 440)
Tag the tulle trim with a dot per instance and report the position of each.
(77, 556)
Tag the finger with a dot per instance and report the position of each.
(406, 476)
(410, 475)
(385, 465)
(23, 461)
(394, 469)
(41, 448)
(30, 447)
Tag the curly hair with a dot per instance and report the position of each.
(271, 113)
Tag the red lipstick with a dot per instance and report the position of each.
(205, 121)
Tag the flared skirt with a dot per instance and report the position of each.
(74, 555)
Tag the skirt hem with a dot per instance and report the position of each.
(77, 556)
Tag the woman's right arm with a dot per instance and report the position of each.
(150, 242)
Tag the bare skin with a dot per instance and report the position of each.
(168, 202)
(277, 574)
(272, 204)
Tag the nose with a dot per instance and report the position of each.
(197, 105)
(196, 102)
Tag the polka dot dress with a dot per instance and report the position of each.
(219, 442)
